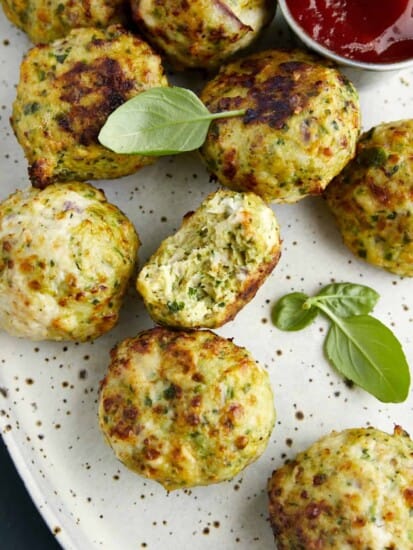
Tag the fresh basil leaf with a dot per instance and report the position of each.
(365, 351)
(289, 312)
(359, 346)
(347, 299)
(159, 121)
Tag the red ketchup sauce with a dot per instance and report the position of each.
(374, 31)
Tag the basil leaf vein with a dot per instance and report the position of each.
(347, 299)
(358, 346)
(160, 121)
(367, 352)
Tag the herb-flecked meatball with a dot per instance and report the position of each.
(67, 89)
(214, 264)
(300, 128)
(351, 490)
(185, 408)
(46, 20)
(66, 256)
(202, 33)
(372, 199)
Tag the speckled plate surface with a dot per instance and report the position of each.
(48, 391)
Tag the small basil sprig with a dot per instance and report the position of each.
(160, 121)
(359, 346)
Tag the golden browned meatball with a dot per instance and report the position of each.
(214, 264)
(300, 128)
(351, 490)
(372, 199)
(66, 256)
(46, 20)
(185, 408)
(202, 33)
(66, 91)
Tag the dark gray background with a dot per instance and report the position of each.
(21, 525)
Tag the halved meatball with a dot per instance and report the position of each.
(202, 33)
(67, 89)
(372, 199)
(185, 408)
(206, 272)
(300, 128)
(66, 256)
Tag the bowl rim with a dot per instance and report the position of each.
(314, 45)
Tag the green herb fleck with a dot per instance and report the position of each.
(230, 392)
(365, 454)
(170, 392)
(60, 57)
(175, 306)
(31, 108)
(372, 157)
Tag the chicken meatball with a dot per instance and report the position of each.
(46, 20)
(350, 490)
(66, 256)
(202, 33)
(66, 91)
(185, 408)
(206, 272)
(300, 127)
(372, 199)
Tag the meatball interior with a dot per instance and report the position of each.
(214, 264)
(185, 408)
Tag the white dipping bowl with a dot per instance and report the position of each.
(322, 50)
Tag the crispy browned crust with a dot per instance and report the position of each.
(372, 201)
(251, 287)
(328, 496)
(299, 129)
(165, 409)
(67, 90)
(199, 33)
(47, 20)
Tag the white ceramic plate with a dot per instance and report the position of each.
(48, 391)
